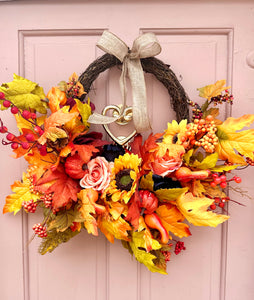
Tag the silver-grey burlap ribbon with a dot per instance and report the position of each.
(144, 46)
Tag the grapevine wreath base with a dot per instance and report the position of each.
(144, 194)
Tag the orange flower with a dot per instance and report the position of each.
(166, 159)
(56, 98)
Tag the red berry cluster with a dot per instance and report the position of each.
(249, 161)
(179, 247)
(226, 97)
(222, 180)
(166, 255)
(30, 206)
(40, 230)
(11, 138)
(219, 202)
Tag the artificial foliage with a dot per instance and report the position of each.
(145, 194)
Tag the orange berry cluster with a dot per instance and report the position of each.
(47, 200)
(40, 230)
(202, 133)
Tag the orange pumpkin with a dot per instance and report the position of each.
(75, 167)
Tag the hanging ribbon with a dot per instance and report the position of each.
(144, 46)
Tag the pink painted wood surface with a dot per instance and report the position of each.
(46, 42)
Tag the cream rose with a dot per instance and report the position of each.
(97, 175)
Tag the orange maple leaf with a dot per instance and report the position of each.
(63, 187)
(84, 151)
(172, 220)
(113, 228)
(20, 151)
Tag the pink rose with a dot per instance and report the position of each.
(97, 175)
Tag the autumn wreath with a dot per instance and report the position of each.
(142, 194)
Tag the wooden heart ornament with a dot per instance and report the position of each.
(124, 118)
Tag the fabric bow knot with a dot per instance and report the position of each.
(144, 46)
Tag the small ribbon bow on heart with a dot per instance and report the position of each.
(144, 46)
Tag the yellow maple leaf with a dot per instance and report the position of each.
(172, 220)
(23, 123)
(213, 90)
(87, 199)
(137, 243)
(195, 210)
(230, 140)
(21, 193)
(117, 209)
(113, 228)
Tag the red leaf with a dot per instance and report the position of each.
(136, 145)
(134, 212)
(63, 187)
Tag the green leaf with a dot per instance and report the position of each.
(205, 106)
(65, 219)
(160, 260)
(146, 182)
(138, 247)
(24, 94)
(84, 110)
(54, 239)
(167, 195)
(212, 111)
(207, 163)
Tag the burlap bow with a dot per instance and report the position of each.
(144, 46)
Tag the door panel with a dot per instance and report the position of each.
(46, 42)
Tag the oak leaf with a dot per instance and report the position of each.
(195, 210)
(87, 199)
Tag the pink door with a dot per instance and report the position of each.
(46, 41)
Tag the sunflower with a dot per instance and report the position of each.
(175, 132)
(124, 177)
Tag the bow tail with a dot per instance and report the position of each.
(139, 106)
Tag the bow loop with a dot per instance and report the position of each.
(144, 46)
